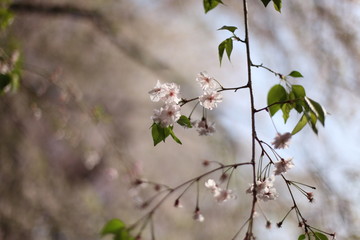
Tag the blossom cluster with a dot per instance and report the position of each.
(220, 195)
(169, 94)
(210, 97)
(169, 113)
(264, 189)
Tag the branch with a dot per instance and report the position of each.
(134, 51)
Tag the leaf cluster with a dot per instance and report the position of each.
(277, 4)
(294, 98)
(159, 133)
(313, 236)
(118, 229)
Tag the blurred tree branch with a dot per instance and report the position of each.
(131, 49)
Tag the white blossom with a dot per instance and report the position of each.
(206, 82)
(157, 93)
(264, 189)
(167, 92)
(172, 93)
(283, 166)
(220, 195)
(167, 115)
(203, 128)
(210, 99)
(212, 186)
(282, 140)
(198, 216)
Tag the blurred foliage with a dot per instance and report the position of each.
(72, 135)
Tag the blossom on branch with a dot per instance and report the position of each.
(210, 99)
(167, 92)
(198, 216)
(282, 140)
(203, 128)
(206, 82)
(283, 166)
(167, 115)
(220, 195)
(264, 189)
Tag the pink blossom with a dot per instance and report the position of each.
(167, 115)
(206, 82)
(210, 99)
(282, 140)
(283, 166)
(203, 128)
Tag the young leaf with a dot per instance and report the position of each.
(114, 226)
(229, 47)
(265, 2)
(300, 125)
(302, 237)
(277, 5)
(174, 137)
(299, 91)
(221, 50)
(318, 110)
(229, 28)
(210, 4)
(286, 108)
(320, 236)
(276, 94)
(159, 133)
(295, 74)
(312, 119)
(184, 121)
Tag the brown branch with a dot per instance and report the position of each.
(130, 48)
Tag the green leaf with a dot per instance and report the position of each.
(299, 91)
(277, 5)
(210, 4)
(320, 236)
(159, 133)
(312, 119)
(300, 125)
(6, 18)
(302, 237)
(114, 226)
(123, 235)
(5, 79)
(229, 28)
(227, 45)
(184, 121)
(172, 134)
(295, 74)
(265, 2)
(221, 50)
(317, 109)
(276, 94)
(286, 108)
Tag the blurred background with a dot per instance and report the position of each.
(75, 135)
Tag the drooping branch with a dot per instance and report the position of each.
(130, 48)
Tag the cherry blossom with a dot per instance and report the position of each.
(220, 195)
(198, 216)
(210, 99)
(167, 115)
(206, 82)
(282, 140)
(203, 128)
(167, 92)
(283, 166)
(264, 189)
